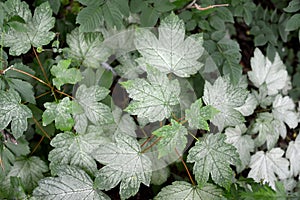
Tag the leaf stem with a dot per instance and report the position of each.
(193, 136)
(40, 64)
(30, 75)
(38, 144)
(208, 7)
(186, 168)
(150, 146)
(39, 125)
(150, 138)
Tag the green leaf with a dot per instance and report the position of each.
(274, 75)
(149, 16)
(64, 75)
(8, 152)
(55, 6)
(226, 98)
(112, 14)
(243, 143)
(260, 191)
(11, 110)
(75, 150)
(90, 19)
(86, 48)
(37, 30)
(173, 138)
(124, 163)
(171, 53)
(213, 156)
(225, 14)
(24, 88)
(293, 23)
(16, 8)
(264, 166)
(231, 56)
(293, 6)
(71, 183)
(184, 190)
(30, 170)
(198, 115)
(93, 110)
(60, 112)
(152, 99)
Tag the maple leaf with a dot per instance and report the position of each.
(273, 75)
(171, 53)
(213, 156)
(264, 166)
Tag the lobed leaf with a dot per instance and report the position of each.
(93, 110)
(198, 115)
(171, 53)
(36, 29)
(264, 166)
(12, 111)
(226, 98)
(64, 75)
(60, 112)
(124, 163)
(213, 156)
(184, 190)
(75, 150)
(173, 138)
(71, 183)
(86, 48)
(152, 99)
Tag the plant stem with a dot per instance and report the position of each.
(40, 64)
(150, 146)
(30, 75)
(186, 168)
(39, 125)
(38, 144)
(150, 138)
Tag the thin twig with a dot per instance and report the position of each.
(208, 7)
(38, 144)
(186, 168)
(150, 146)
(150, 138)
(39, 125)
(40, 64)
(34, 77)
(60, 92)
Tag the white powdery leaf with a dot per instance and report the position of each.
(183, 190)
(124, 163)
(153, 99)
(212, 157)
(35, 31)
(264, 166)
(171, 53)
(243, 143)
(268, 130)
(284, 110)
(274, 75)
(227, 99)
(293, 154)
(71, 183)
(249, 106)
(93, 110)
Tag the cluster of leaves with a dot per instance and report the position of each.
(74, 117)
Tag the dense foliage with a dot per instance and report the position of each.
(151, 99)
